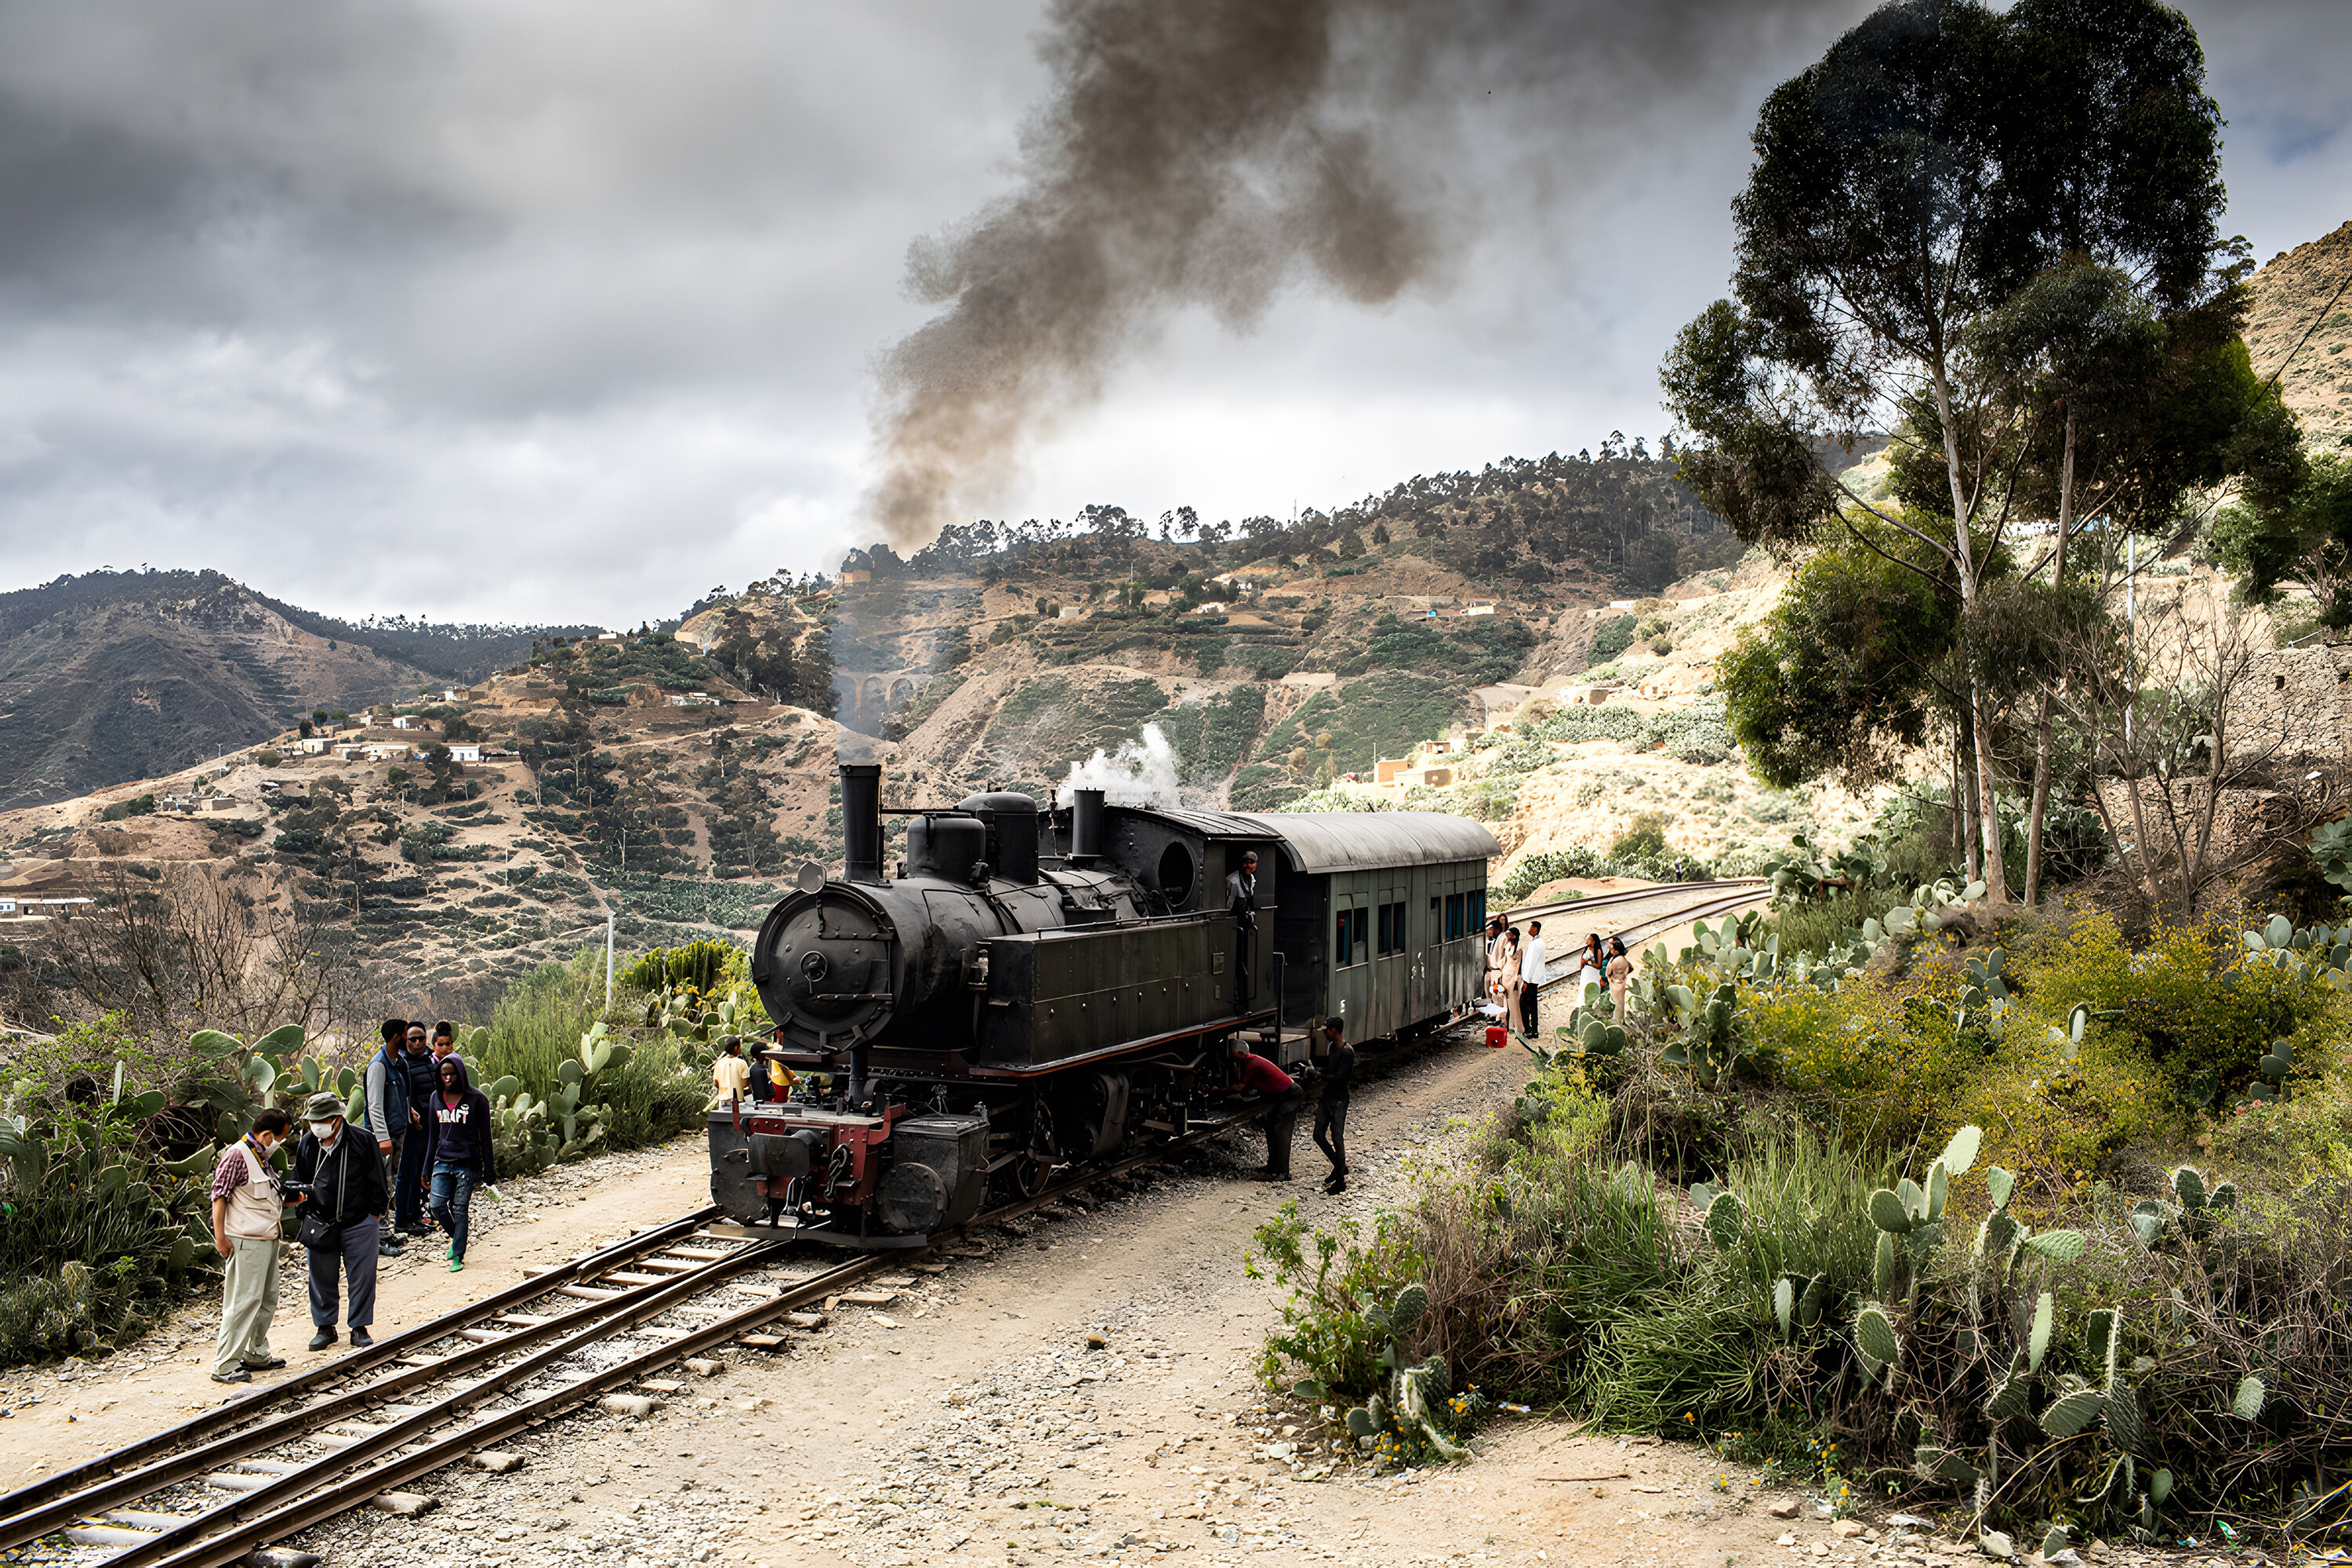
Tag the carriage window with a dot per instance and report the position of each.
(1453, 917)
(1352, 945)
(1392, 928)
(1476, 908)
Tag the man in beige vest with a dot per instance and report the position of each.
(247, 1216)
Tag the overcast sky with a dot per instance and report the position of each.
(558, 309)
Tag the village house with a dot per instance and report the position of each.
(464, 751)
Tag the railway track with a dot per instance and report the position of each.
(1756, 886)
(1719, 898)
(268, 1464)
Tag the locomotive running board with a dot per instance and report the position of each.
(824, 1234)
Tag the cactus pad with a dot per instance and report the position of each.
(1815, 1301)
(2071, 1412)
(1961, 1153)
(2188, 1188)
(2125, 1429)
(2058, 1245)
(2045, 1320)
(1874, 1332)
(1888, 1214)
(1411, 1303)
(2247, 1404)
(1361, 1423)
(1999, 1183)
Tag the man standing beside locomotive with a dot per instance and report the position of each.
(1283, 1096)
(1331, 1106)
(1241, 902)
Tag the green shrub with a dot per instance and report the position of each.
(1611, 637)
(1815, 928)
(1643, 838)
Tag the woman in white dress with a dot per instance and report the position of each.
(1592, 969)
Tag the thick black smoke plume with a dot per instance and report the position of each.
(1208, 152)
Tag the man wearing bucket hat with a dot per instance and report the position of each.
(340, 1188)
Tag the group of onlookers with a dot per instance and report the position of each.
(1518, 969)
(429, 1129)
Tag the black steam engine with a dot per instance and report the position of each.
(1029, 991)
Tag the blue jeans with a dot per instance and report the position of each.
(453, 1203)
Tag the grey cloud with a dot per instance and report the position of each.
(501, 308)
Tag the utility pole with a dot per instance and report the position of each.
(608, 960)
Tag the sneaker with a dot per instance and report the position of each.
(457, 1266)
(391, 1247)
(1270, 1175)
(267, 1363)
(239, 1375)
(323, 1339)
(450, 1252)
(360, 1338)
(1337, 1185)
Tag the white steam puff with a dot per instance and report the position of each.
(1140, 772)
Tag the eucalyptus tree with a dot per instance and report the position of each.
(1906, 188)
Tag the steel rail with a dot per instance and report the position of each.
(1630, 895)
(323, 1488)
(185, 1464)
(1674, 918)
(256, 1401)
(247, 1536)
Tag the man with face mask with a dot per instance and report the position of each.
(246, 1213)
(341, 1175)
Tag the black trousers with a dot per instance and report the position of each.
(1281, 1126)
(1528, 995)
(1331, 1133)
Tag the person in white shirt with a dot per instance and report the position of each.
(1532, 976)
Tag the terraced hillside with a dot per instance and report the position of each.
(112, 676)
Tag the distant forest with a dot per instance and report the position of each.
(1620, 515)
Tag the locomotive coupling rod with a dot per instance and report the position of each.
(334, 1374)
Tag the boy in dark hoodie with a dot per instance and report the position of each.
(457, 1125)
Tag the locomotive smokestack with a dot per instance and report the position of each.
(1086, 825)
(861, 821)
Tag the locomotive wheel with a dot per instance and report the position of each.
(1035, 1166)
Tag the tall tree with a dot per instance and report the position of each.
(1908, 186)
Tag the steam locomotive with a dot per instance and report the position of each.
(1034, 991)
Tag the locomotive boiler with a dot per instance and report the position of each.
(1030, 991)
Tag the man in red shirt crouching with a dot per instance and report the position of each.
(1283, 1097)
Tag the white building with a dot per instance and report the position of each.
(464, 751)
